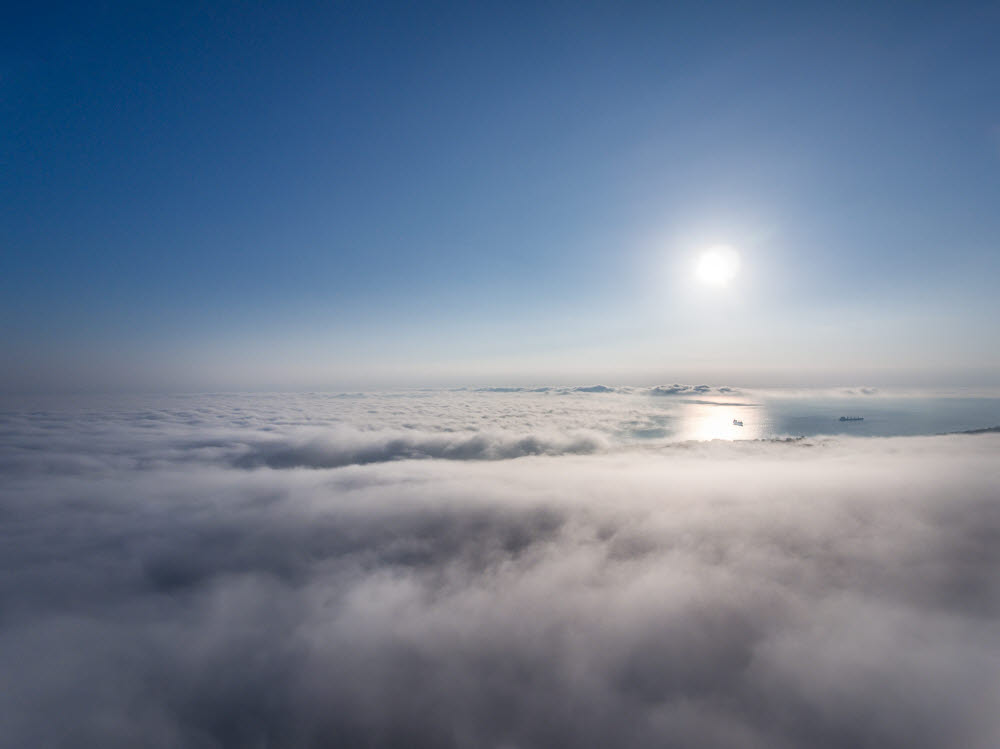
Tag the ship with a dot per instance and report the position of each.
(852, 418)
(737, 423)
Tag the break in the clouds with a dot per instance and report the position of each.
(161, 590)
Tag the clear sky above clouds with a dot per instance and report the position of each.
(227, 196)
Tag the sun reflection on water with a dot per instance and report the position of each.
(700, 421)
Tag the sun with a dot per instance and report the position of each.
(717, 266)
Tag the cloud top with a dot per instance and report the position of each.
(822, 593)
(678, 389)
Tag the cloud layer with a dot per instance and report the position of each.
(183, 581)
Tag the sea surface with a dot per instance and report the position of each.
(767, 416)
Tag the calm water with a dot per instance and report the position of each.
(884, 416)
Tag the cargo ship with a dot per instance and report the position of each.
(852, 418)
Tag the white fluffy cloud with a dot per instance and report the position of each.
(174, 575)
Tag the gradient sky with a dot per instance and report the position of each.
(232, 196)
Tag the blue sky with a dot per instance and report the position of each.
(238, 196)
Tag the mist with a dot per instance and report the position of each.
(235, 574)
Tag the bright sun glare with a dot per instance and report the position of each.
(717, 266)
